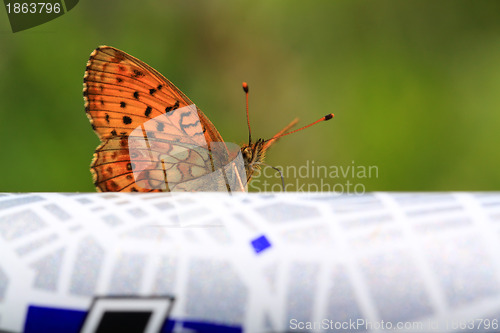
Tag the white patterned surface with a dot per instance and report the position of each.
(429, 258)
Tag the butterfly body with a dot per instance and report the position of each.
(253, 155)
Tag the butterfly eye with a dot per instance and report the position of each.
(247, 154)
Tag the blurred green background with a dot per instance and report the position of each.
(414, 85)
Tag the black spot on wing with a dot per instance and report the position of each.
(137, 73)
(170, 108)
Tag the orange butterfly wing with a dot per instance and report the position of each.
(121, 94)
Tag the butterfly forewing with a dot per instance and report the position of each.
(121, 92)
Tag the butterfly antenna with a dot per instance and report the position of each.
(245, 89)
(279, 135)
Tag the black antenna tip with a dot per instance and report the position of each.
(328, 116)
(245, 87)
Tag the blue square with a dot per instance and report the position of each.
(45, 319)
(260, 244)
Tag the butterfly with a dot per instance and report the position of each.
(153, 138)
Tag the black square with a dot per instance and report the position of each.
(125, 321)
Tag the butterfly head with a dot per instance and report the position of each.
(253, 156)
(254, 153)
